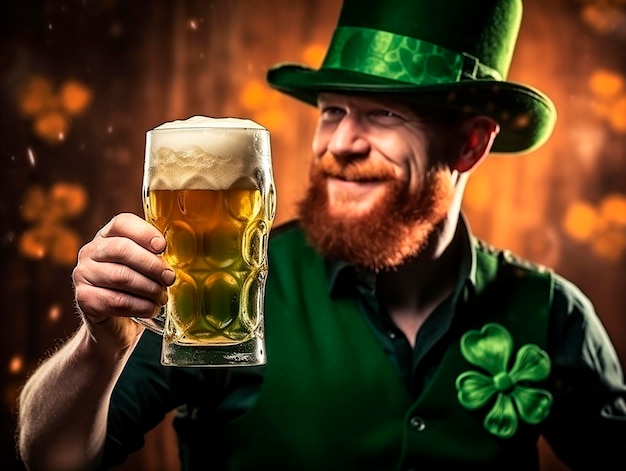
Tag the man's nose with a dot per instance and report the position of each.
(349, 138)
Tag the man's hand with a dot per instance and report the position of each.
(119, 275)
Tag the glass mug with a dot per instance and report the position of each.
(208, 187)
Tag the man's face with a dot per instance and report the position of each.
(380, 183)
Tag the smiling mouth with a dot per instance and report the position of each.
(357, 171)
(353, 187)
(362, 179)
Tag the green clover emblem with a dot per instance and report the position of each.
(491, 349)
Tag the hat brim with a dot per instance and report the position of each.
(525, 115)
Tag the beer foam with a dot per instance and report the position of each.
(207, 153)
(208, 122)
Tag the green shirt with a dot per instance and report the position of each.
(587, 384)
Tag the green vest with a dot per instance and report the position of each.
(332, 400)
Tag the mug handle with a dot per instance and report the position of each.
(155, 324)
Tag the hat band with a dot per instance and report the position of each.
(402, 58)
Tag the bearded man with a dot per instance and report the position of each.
(395, 339)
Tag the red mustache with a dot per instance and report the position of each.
(354, 170)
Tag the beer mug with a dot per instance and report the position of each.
(208, 187)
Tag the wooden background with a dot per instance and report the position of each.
(81, 82)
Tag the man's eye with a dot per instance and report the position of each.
(332, 113)
(382, 113)
(383, 116)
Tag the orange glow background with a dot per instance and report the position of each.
(81, 82)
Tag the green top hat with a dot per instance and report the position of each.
(453, 53)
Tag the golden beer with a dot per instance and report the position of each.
(208, 187)
(216, 244)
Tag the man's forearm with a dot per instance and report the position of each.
(63, 406)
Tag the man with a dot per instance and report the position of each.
(395, 339)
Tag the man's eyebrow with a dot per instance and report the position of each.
(329, 102)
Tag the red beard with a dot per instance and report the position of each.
(396, 228)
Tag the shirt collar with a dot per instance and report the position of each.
(342, 276)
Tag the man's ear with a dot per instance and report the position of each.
(478, 132)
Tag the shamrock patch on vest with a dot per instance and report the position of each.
(490, 349)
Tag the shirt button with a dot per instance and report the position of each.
(417, 423)
(391, 334)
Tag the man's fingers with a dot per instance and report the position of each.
(132, 226)
(120, 272)
(126, 252)
(99, 303)
(123, 279)
(129, 241)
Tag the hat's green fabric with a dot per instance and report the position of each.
(454, 53)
